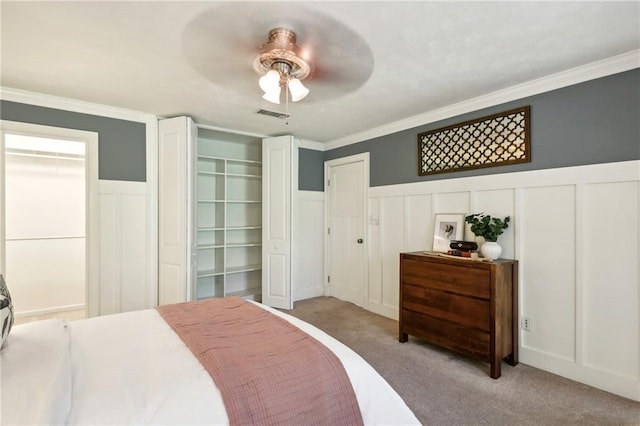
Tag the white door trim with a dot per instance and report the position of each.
(364, 158)
(91, 209)
(151, 126)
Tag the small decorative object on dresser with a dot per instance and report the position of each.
(467, 249)
(447, 227)
(467, 307)
(483, 225)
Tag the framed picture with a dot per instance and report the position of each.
(447, 227)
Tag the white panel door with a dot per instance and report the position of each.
(276, 221)
(176, 143)
(346, 232)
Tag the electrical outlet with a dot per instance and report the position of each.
(526, 323)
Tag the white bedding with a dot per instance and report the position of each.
(35, 373)
(131, 368)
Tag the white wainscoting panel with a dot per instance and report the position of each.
(124, 285)
(547, 266)
(392, 240)
(610, 277)
(576, 234)
(498, 203)
(374, 300)
(133, 261)
(308, 252)
(418, 213)
(109, 282)
(451, 202)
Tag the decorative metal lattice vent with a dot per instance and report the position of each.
(495, 140)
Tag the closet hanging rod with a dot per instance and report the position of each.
(53, 157)
(71, 237)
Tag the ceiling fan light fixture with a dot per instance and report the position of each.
(297, 90)
(273, 95)
(269, 81)
(280, 64)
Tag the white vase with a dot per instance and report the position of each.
(491, 250)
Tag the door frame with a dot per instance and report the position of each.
(92, 213)
(364, 158)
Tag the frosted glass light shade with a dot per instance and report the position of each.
(297, 89)
(270, 81)
(273, 95)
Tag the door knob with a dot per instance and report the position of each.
(360, 241)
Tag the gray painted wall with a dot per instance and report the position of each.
(310, 170)
(121, 143)
(587, 123)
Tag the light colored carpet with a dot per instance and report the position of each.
(443, 388)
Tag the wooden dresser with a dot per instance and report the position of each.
(469, 307)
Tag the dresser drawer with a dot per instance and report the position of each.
(458, 279)
(462, 310)
(448, 335)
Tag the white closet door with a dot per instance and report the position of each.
(175, 209)
(277, 155)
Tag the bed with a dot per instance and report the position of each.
(135, 368)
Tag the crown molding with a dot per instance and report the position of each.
(73, 105)
(226, 130)
(316, 146)
(615, 64)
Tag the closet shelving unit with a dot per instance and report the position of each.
(228, 216)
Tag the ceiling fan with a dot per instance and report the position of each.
(281, 66)
(225, 44)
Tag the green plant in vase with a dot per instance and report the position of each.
(490, 228)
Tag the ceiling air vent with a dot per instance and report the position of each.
(272, 113)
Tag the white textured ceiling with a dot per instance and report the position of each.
(375, 62)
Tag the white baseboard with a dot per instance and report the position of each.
(51, 310)
(307, 294)
(627, 387)
(384, 310)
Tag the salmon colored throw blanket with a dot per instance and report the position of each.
(268, 370)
